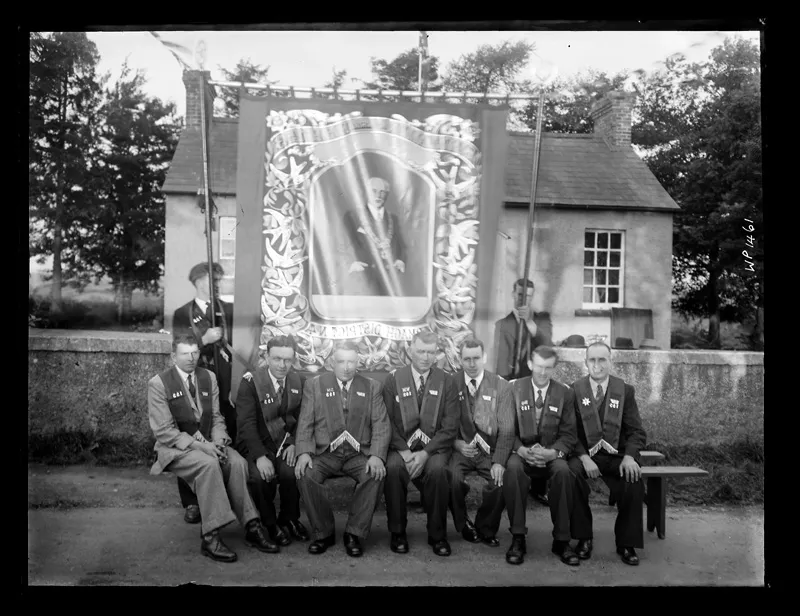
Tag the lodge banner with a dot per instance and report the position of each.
(370, 220)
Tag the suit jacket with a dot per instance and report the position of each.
(566, 437)
(505, 411)
(171, 442)
(313, 437)
(253, 440)
(505, 335)
(632, 436)
(446, 428)
(362, 242)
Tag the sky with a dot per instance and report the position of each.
(307, 58)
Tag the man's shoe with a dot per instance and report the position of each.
(584, 549)
(567, 554)
(320, 545)
(399, 543)
(543, 499)
(352, 545)
(278, 535)
(492, 541)
(470, 533)
(516, 553)
(629, 556)
(211, 545)
(440, 548)
(296, 529)
(256, 538)
(192, 515)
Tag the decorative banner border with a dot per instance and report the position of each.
(291, 161)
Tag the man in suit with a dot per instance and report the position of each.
(422, 402)
(610, 437)
(483, 444)
(267, 405)
(194, 318)
(545, 436)
(192, 443)
(342, 430)
(380, 253)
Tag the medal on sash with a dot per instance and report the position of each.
(419, 435)
(345, 436)
(330, 392)
(406, 392)
(478, 440)
(604, 445)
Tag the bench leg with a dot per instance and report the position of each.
(656, 505)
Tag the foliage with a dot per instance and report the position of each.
(245, 72)
(402, 73)
(490, 68)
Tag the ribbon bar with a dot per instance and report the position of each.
(478, 440)
(345, 436)
(602, 443)
(419, 435)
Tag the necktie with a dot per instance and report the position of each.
(539, 401)
(192, 389)
(344, 396)
(473, 389)
(599, 394)
(280, 390)
(420, 390)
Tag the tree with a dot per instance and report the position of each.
(490, 68)
(244, 72)
(402, 73)
(123, 234)
(336, 81)
(701, 125)
(64, 97)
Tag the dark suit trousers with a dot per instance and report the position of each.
(487, 520)
(264, 493)
(628, 529)
(315, 495)
(517, 482)
(433, 484)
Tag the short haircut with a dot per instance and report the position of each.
(345, 345)
(201, 269)
(426, 337)
(545, 352)
(521, 283)
(184, 338)
(598, 343)
(471, 343)
(281, 342)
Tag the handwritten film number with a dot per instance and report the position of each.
(750, 240)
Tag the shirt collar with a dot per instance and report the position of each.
(275, 380)
(544, 389)
(202, 303)
(603, 384)
(346, 383)
(478, 379)
(416, 375)
(184, 375)
(376, 214)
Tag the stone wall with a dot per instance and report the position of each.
(96, 383)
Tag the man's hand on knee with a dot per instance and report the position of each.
(303, 462)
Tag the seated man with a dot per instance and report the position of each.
(267, 404)
(192, 443)
(484, 442)
(610, 437)
(545, 430)
(423, 409)
(342, 429)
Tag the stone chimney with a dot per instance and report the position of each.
(612, 119)
(191, 79)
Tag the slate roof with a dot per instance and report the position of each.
(575, 170)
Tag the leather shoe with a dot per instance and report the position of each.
(399, 543)
(543, 499)
(296, 529)
(211, 545)
(256, 538)
(278, 535)
(492, 541)
(440, 548)
(516, 553)
(320, 545)
(470, 533)
(352, 545)
(567, 554)
(584, 549)
(629, 556)
(192, 515)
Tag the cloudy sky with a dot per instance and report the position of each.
(307, 58)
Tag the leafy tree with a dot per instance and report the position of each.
(490, 68)
(64, 97)
(246, 72)
(336, 81)
(402, 73)
(123, 235)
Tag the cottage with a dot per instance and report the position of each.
(602, 243)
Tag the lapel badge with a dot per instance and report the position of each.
(525, 405)
(329, 393)
(204, 393)
(295, 391)
(361, 393)
(397, 398)
(585, 402)
(554, 409)
(433, 392)
(487, 398)
(614, 403)
(461, 395)
(406, 392)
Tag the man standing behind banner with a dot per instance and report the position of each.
(484, 442)
(423, 407)
(610, 437)
(267, 406)
(194, 318)
(376, 236)
(343, 430)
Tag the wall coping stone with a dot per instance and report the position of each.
(86, 341)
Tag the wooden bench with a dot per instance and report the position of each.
(656, 497)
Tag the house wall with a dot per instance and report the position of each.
(557, 266)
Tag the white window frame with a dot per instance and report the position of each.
(227, 232)
(603, 305)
